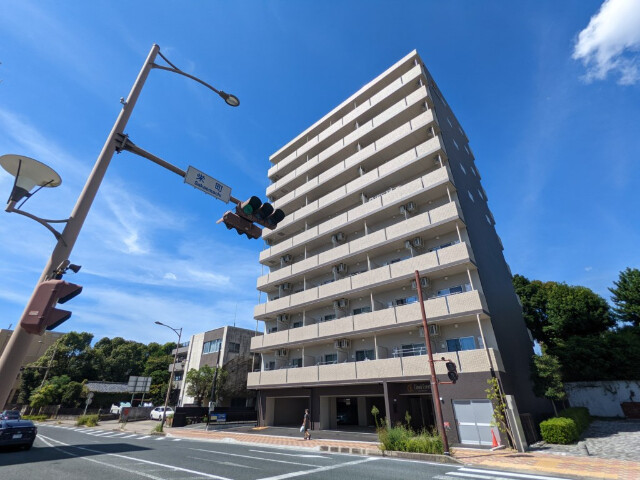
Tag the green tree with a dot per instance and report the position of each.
(533, 296)
(546, 373)
(626, 296)
(199, 383)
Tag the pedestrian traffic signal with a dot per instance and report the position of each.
(242, 225)
(452, 371)
(41, 313)
(261, 213)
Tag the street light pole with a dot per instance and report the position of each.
(173, 368)
(20, 340)
(46, 372)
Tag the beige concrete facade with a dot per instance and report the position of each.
(383, 185)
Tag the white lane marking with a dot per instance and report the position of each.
(519, 475)
(131, 436)
(177, 439)
(290, 454)
(320, 469)
(146, 436)
(224, 463)
(134, 459)
(116, 435)
(152, 477)
(159, 438)
(254, 457)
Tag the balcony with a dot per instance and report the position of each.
(459, 254)
(437, 309)
(177, 367)
(394, 144)
(294, 159)
(403, 229)
(378, 205)
(401, 368)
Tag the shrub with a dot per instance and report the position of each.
(403, 439)
(425, 443)
(158, 428)
(87, 420)
(580, 415)
(36, 418)
(559, 430)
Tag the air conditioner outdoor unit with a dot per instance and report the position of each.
(342, 268)
(411, 207)
(434, 330)
(282, 352)
(285, 286)
(286, 258)
(364, 198)
(424, 283)
(343, 303)
(403, 209)
(282, 318)
(417, 242)
(408, 244)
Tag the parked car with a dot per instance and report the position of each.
(117, 409)
(156, 413)
(17, 432)
(10, 415)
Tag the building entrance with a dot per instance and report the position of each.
(420, 408)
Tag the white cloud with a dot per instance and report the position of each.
(588, 269)
(611, 42)
(170, 276)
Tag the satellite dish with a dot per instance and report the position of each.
(29, 173)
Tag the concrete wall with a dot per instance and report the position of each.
(603, 398)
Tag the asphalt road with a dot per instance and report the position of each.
(68, 453)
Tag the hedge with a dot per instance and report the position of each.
(403, 439)
(560, 430)
(580, 415)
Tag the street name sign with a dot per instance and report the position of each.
(207, 184)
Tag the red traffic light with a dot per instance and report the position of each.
(41, 313)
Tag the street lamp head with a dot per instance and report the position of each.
(158, 323)
(231, 100)
(29, 173)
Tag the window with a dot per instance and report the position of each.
(295, 363)
(474, 171)
(444, 245)
(212, 347)
(466, 150)
(449, 122)
(331, 358)
(462, 343)
(464, 170)
(452, 290)
(488, 219)
(270, 365)
(296, 325)
(364, 355)
(460, 130)
(177, 377)
(358, 311)
(273, 329)
(455, 144)
(480, 194)
(471, 196)
(405, 301)
(410, 350)
(234, 347)
(331, 316)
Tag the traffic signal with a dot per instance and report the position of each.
(41, 313)
(261, 213)
(452, 371)
(242, 225)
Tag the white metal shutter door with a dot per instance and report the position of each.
(474, 421)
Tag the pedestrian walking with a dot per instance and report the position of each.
(306, 424)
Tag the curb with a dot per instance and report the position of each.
(426, 457)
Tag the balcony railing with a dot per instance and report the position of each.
(285, 164)
(468, 361)
(454, 255)
(437, 309)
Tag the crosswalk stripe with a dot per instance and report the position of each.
(159, 438)
(511, 474)
(177, 439)
(142, 438)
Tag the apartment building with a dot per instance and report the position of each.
(383, 185)
(227, 347)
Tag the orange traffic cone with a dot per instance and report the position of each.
(494, 441)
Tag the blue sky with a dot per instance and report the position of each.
(551, 113)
